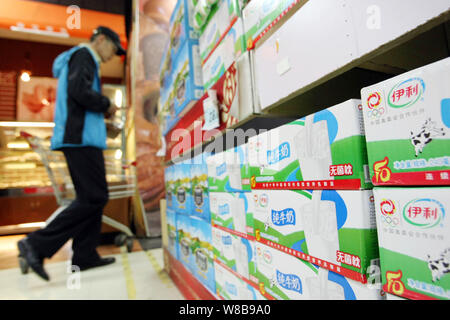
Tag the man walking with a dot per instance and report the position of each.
(80, 133)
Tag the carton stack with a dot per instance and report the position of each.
(232, 224)
(407, 123)
(313, 207)
(188, 218)
(181, 82)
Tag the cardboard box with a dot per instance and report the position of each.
(199, 184)
(182, 200)
(228, 171)
(236, 252)
(220, 21)
(202, 252)
(227, 52)
(286, 277)
(172, 232)
(229, 210)
(326, 149)
(181, 26)
(187, 83)
(184, 241)
(413, 236)
(258, 15)
(335, 226)
(407, 124)
(231, 287)
(169, 186)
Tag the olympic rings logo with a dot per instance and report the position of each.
(374, 104)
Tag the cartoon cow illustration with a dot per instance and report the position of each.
(428, 131)
(440, 266)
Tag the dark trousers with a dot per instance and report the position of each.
(81, 220)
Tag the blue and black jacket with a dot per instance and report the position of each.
(80, 106)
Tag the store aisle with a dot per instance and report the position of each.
(135, 275)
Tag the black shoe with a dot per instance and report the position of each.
(98, 263)
(32, 258)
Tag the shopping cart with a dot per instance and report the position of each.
(121, 179)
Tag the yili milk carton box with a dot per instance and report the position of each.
(202, 251)
(228, 171)
(286, 277)
(325, 150)
(172, 232)
(231, 287)
(235, 252)
(413, 235)
(199, 184)
(282, 276)
(334, 226)
(258, 15)
(220, 21)
(184, 241)
(229, 210)
(407, 124)
(182, 201)
(228, 51)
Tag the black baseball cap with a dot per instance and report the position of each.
(113, 36)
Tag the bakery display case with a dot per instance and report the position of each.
(27, 197)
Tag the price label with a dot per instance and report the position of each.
(211, 112)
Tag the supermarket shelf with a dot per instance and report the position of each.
(185, 281)
(422, 45)
(217, 139)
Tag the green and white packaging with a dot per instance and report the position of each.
(228, 171)
(282, 276)
(227, 52)
(324, 150)
(219, 23)
(229, 210)
(337, 226)
(231, 287)
(235, 252)
(413, 236)
(286, 277)
(407, 124)
(258, 15)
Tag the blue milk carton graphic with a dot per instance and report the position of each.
(169, 186)
(328, 285)
(202, 252)
(187, 85)
(184, 240)
(172, 232)
(183, 188)
(200, 193)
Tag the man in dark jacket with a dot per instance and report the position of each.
(80, 133)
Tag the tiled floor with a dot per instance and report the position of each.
(135, 275)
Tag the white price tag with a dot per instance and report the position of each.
(211, 111)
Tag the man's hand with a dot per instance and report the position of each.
(111, 111)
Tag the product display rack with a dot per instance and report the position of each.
(373, 54)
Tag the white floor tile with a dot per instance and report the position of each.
(105, 283)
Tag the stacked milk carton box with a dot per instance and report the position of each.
(311, 195)
(231, 214)
(286, 277)
(229, 189)
(188, 218)
(180, 70)
(407, 121)
(221, 52)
